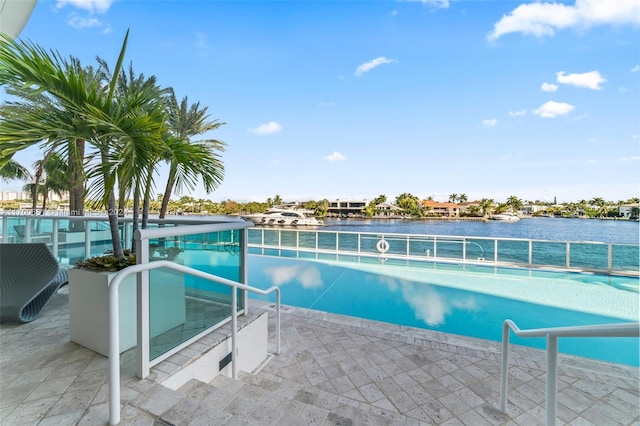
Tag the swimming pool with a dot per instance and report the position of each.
(465, 300)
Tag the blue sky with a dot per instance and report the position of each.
(353, 99)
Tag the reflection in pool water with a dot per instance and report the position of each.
(463, 302)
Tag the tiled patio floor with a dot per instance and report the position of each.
(333, 370)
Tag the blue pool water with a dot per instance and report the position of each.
(469, 301)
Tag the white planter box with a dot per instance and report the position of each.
(89, 307)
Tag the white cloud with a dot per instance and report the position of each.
(549, 87)
(518, 113)
(632, 158)
(79, 22)
(553, 109)
(590, 80)
(93, 6)
(368, 66)
(489, 122)
(336, 156)
(636, 68)
(543, 19)
(267, 128)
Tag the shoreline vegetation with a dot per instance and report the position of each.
(405, 206)
(128, 213)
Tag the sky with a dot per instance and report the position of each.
(349, 100)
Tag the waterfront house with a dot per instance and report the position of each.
(626, 210)
(387, 209)
(431, 207)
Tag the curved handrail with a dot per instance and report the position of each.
(114, 329)
(631, 329)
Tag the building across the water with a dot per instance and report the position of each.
(342, 208)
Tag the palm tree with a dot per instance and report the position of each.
(120, 128)
(514, 202)
(188, 160)
(409, 203)
(52, 176)
(486, 206)
(453, 198)
(13, 170)
(601, 204)
(322, 208)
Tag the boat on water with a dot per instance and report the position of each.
(283, 217)
(505, 217)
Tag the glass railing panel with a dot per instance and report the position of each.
(182, 306)
(100, 241)
(307, 239)
(348, 242)
(327, 240)
(16, 229)
(368, 243)
(288, 238)
(448, 248)
(589, 256)
(270, 237)
(41, 230)
(71, 239)
(479, 249)
(548, 253)
(625, 257)
(513, 251)
(255, 236)
(397, 246)
(421, 246)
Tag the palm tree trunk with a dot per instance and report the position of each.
(116, 242)
(136, 212)
(44, 202)
(34, 189)
(147, 199)
(76, 184)
(122, 202)
(112, 214)
(171, 180)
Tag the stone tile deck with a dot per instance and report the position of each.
(333, 370)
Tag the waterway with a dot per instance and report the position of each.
(544, 228)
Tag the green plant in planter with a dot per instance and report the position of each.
(107, 263)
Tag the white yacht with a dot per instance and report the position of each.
(505, 216)
(282, 217)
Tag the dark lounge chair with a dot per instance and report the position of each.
(29, 276)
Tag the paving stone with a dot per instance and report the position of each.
(333, 370)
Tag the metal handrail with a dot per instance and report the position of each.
(631, 329)
(114, 329)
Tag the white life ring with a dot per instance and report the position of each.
(382, 246)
